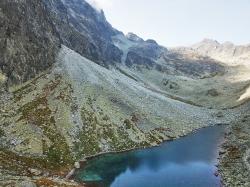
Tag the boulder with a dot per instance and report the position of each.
(77, 165)
(35, 172)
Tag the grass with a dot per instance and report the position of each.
(20, 164)
(100, 126)
(37, 112)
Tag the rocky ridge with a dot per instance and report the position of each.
(226, 52)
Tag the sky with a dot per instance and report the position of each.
(180, 22)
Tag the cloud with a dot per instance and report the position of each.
(99, 4)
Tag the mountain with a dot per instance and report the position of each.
(225, 52)
(29, 40)
(85, 30)
(72, 86)
(32, 32)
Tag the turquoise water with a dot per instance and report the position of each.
(185, 162)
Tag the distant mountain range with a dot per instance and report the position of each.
(225, 52)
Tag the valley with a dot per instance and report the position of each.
(94, 90)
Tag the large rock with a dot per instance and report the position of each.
(77, 165)
(35, 172)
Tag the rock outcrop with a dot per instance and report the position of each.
(29, 41)
(85, 30)
(31, 33)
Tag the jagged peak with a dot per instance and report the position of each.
(206, 43)
(133, 37)
(228, 43)
(95, 4)
(210, 41)
(151, 41)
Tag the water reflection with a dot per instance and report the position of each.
(188, 161)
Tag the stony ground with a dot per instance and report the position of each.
(24, 181)
(234, 164)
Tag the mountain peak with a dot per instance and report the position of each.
(133, 37)
(95, 4)
(209, 41)
(151, 41)
(227, 43)
(206, 43)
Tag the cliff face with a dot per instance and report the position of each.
(28, 40)
(85, 30)
(31, 33)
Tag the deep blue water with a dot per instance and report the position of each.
(185, 162)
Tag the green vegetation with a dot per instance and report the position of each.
(2, 133)
(98, 127)
(37, 112)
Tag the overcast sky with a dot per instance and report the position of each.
(181, 22)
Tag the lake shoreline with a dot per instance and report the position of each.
(61, 179)
(215, 162)
(82, 162)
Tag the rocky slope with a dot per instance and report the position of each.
(73, 86)
(235, 156)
